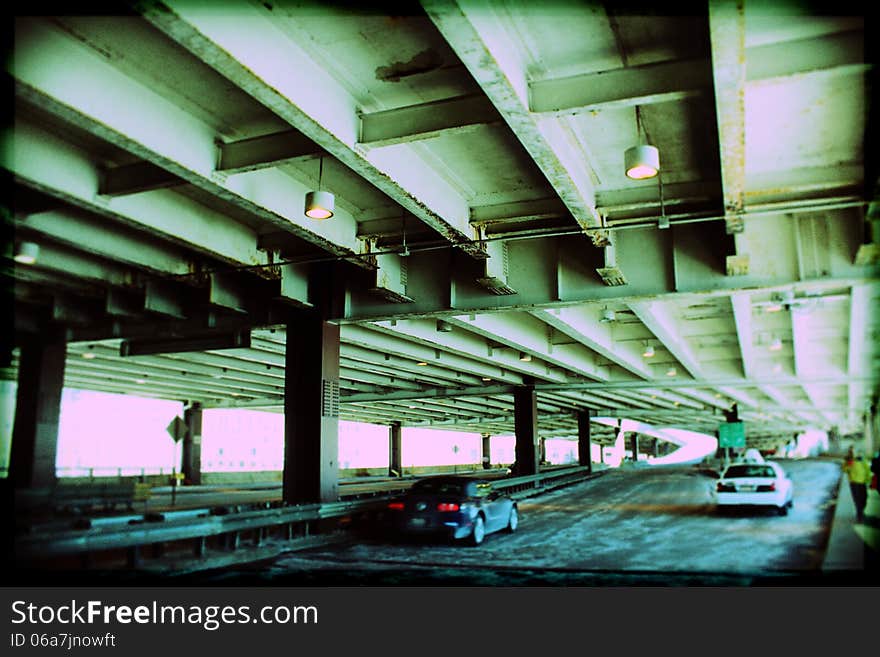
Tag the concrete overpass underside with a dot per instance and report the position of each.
(489, 266)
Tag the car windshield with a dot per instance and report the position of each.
(431, 487)
(736, 471)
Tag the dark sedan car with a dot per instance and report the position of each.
(454, 506)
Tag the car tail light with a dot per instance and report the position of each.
(767, 488)
(725, 488)
(395, 506)
(448, 506)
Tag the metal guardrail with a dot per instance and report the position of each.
(50, 544)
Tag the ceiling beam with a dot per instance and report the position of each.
(491, 56)
(677, 79)
(425, 121)
(727, 33)
(582, 324)
(157, 131)
(44, 162)
(469, 345)
(400, 345)
(265, 151)
(310, 100)
(530, 336)
(136, 178)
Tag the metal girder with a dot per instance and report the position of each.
(727, 32)
(659, 82)
(113, 242)
(742, 313)
(400, 345)
(518, 211)
(192, 363)
(577, 323)
(526, 334)
(136, 178)
(155, 130)
(490, 56)
(661, 322)
(265, 151)
(310, 100)
(807, 359)
(407, 366)
(426, 121)
(553, 271)
(467, 344)
(42, 161)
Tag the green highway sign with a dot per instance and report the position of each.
(732, 434)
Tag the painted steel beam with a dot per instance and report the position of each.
(469, 345)
(136, 178)
(490, 55)
(426, 121)
(265, 151)
(581, 324)
(742, 313)
(310, 100)
(727, 32)
(88, 233)
(660, 82)
(40, 160)
(156, 130)
(528, 335)
(401, 345)
(518, 211)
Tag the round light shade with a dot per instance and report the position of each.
(642, 162)
(648, 352)
(320, 205)
(27, 253)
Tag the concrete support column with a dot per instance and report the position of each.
(525, 403)
(585, 448)
(486, 451)
(311, 411)
(395, 432)
(191, 465)
(37, 411)
(635, 446)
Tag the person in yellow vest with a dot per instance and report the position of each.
(859, 475)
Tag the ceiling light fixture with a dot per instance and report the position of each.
(27, 253)
(775, 344)
(320, 204)
(671, 372)
(422, 363)
(524, 357)
(642, 161)
(648, 352)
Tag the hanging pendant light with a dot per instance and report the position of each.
(641, 161)
(27, 253)
(320, 204)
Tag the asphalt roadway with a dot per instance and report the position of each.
(630, 526)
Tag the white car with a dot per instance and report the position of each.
(754, 484)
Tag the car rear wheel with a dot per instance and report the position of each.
(782, 510)
(478, 533)
(512, 520)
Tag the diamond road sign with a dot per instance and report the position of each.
(177, 429)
